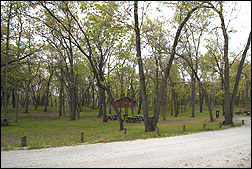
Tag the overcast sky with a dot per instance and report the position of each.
(241, 22)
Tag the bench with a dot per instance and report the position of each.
(5, 121)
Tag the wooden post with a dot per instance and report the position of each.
(184, 128)
(217, 114)
(243, 122)
(204, 127)
(220, 125)
(157, 130)
(23, 141)
(124, 133)
(82, 137)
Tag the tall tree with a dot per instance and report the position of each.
(147, 122)
(7, 59)
(229, 102)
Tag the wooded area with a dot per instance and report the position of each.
(87, 54)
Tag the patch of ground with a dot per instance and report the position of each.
(48, 117)
(31, 116)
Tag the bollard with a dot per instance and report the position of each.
(204, 126)
(157, 130)
(23, 141)
(184, 128)
(220, 125)
(82, 137)
(243, 122)
(124, 133)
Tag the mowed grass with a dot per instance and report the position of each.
(63, 132)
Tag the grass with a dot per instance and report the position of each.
(63, 132)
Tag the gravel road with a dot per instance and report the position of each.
(230, 148)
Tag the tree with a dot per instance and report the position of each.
(229, 102)
(147, 120)
(6, 59)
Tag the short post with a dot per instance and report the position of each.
(243, 122)
(220, 125)
(217, 114)
(204, 126)
(23, 141)
(124, 133)
(82, 137)
(157, 130)
(184, 128)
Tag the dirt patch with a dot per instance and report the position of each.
(48, 117)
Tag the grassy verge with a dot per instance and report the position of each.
(64, 132)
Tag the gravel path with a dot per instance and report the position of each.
(230, 148)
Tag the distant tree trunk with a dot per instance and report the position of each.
(172, 104)
(102, 110)
(51, 96)
(61, 101)
(193, 94)
(93, 95)
(164, 104)
(176, 108)
(47, 90)
(63, 104)
(101, 101)
(201, 100)
(56, 101)
(139, 104)
(127, 103)
(26, 101)
(132, 96)
(46, 100)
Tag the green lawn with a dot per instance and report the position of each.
(63, 132)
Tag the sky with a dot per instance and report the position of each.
(241, 22)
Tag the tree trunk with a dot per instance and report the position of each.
(147, 123)
(139, 104)
(6, 63)
(101, 101)
(238, 75)
(46, 100)
(167, 69)
(61, 94)
(201, 100)
(193, 94)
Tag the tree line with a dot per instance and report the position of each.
(87, 54)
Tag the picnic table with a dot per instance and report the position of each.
(110, 117)
(4, 121)
(140, 117)
(132, 119)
